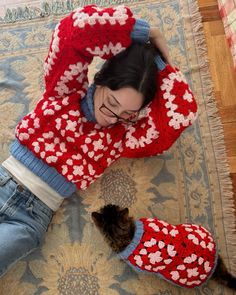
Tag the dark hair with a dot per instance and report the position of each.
(134, 67)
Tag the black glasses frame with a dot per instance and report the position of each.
(119, 119)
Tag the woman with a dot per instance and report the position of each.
(75, 132)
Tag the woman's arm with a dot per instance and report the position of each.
(142, 32)
(158, 39)
(87, 32)
(168, 115)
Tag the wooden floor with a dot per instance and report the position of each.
(224, 78)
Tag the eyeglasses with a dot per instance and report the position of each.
(132, 118)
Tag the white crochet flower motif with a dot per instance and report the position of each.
(106, 49)
(183, 281)
(48, 112)
(78, 170)
(207, 266)
(74, 70)
(49, 147)
(84, 184)
(36, 146)
(201, 233)
(164, 223)
(193, 283)
(98, 144)
(171, 250)
(194, 239)
(210, 246)
(36, 123)
(174, 232)
(138, 260)
(143, 252)
(91, 170)
(81, 18)
(24, 123)
(49, 134)
(174, 275)
(190, 259)
(176, 119)
(192, 272)
(51, 159)
(58, 123)
(151, 134)
(150, 243)
(54, 50)
(155, 257)
(71, 125)
(23, 136)
(154, 226)
(110, 161)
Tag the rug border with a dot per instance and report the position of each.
(55, 7)
(217, 132)
(59, 7)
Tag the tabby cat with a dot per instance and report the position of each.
(184, 254)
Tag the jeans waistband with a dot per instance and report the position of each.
(6, 176)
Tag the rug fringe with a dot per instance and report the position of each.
(217, 132)
(55, 7)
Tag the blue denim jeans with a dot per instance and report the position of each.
(24, 220)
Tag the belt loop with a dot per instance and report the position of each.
(4, 176)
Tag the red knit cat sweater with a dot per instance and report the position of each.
(184, 254)
(58, 133)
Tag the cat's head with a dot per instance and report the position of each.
(116, 225)
(110, 215)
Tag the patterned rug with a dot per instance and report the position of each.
(190, 182)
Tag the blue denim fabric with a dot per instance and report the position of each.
(24, 220)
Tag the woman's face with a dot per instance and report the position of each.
(112, 105)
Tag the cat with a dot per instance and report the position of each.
(184, 254)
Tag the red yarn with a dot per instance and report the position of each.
(184, 254)
(57, 131)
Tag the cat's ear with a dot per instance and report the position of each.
(124, 213)
(97, 218)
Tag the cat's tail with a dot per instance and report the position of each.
(222, 275)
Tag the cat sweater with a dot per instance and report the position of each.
(58, 143)
(184, 254)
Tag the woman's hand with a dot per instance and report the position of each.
(159, 41)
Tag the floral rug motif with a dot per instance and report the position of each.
(189, 183)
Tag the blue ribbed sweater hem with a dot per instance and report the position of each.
(48, 174)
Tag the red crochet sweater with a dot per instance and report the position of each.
(184, 254)
(57, 131)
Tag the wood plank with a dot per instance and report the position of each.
(217, 28)
(227, 113)
(233, 177)
(209, 10)
(232, 164)
(221, 64)
(224, 81)
(230, 138)
(205, 3)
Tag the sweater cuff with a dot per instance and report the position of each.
(159, 62)
(140, 31)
